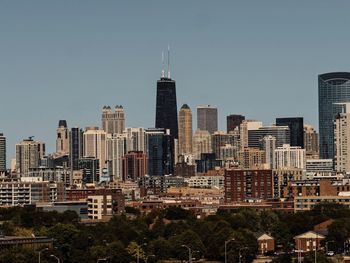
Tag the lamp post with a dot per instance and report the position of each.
(58, 260)
(226, 242)
(189, 253)
(40, 251)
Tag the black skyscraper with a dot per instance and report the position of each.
(234, 121)
(296, 127)
(76, 147)
(166, 109)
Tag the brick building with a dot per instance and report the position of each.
(266, 244)
(242, 185)
(309, 241)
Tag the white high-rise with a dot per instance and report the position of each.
(116, 149)
(288, 157)
(135, 139)
(342, 140)
(95, 145)
(269, 146)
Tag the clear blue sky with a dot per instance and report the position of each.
(66, 59)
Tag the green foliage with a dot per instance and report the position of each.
(177, 213)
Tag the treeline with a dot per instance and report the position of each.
(165, 234)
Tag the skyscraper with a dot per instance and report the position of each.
(207, 118)
(135, 139)
(185, 130)
(113, 122)
(116, 149)
(28, 155)
(234, 121)
(76, 147)
(296, 128)
(2, 153)
(281, 133)
(62, 140)
(342, 140)
(95, 145)
(201, 143)
(166, 107)
(269, 146)
(134, 165)
(333, 88)
(311, 142)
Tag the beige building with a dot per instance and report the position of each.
(247, 125)
(62, 140)
(311, 142)
(28, 155)
(201, 143)
(252, 158)
(95, 145)
(290, 157)
(113, 122)
(342, 140)
(116, 146)
(185, 130)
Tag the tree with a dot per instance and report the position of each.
(136, 251)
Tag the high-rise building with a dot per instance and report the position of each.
(116, 149)
(288, 157)
(246, 126)
(113, 122)
(185, 130)
(281, 133)
(207, 118)
(311, 142)
(342, 140)
(28, 155)
(95, 145)
(2, 153)
(201, 143)
(220, 138)
(75, 147)
(135, 139)
(135, 165)
(269, 146)
(234, 121)
(296, 128)
(160, 152)
(166, 108)
(62, 140)
(332, 88)
(90, 170)
(252, 158)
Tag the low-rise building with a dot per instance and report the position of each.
(266, 244)
(309, 241)
(206, 181)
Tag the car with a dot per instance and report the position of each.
(330, 253)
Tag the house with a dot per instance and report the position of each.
(266, 243)
(309, 241)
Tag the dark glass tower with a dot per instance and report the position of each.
(166, 108)
(234, 121)
(76, 147)
(296, 127)
(332, 88)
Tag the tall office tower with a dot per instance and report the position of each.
(296, 128)
(2, 153)
(160, 152)
(136, 139)
(246, 126)
(207, 118)
(62, 140)
(28, 155)
(95, 145)
(332, 88)
(116, 149)
(311, 142)
(269, 146)
(289, 157)
(342, 140)
(75, 147)
(185, 130)
(113, 122)
(220, 138)
(135, 165)
(201, 143)
(281, 133)
(234, 121)
(166, 108)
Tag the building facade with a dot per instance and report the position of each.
(207, 118)
(311, 142)
(281, 133)
(135, 165)
(296, 128)
(201, 143)
(95, 145)
(76, 147)
(2, 153)
(234, 121)
(290, 157)
(62, 140)
(113, 122)
(333, 88)
(342, 140)
(185, 130)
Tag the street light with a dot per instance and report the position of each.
(226, 242)
(58, 260)
(40, 251)
(189, 253)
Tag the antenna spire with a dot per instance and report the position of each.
(163, 71)
(168, 62)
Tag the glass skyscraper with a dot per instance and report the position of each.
(333, 88)
(296, 127)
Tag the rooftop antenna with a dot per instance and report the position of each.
(163, 71)
(168, 62)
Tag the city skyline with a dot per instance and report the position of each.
(71, 76)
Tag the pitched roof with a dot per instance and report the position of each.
(311, 235)
(265, 237)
